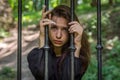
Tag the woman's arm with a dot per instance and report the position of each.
(34, 59)
(43, 22)
(41, 41)
(77, 29)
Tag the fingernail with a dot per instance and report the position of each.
(53, 22)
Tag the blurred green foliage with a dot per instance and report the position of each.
(14, 5)
(7, 73)
(3, 33)
(110, 22)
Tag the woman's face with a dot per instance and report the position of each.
(58, 33)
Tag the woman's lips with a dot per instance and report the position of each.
(57, 42)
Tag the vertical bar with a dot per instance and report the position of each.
(72, 47)
(19, 39)
(99, 45)
(46, 46)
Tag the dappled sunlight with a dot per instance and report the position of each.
(110, 43)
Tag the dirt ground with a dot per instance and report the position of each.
(8, 50)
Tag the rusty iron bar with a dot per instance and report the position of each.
(19, 41)
(72, 46)
(46, 46)
(99, 41)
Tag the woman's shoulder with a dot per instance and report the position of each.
(34, 53)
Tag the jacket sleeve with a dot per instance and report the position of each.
(67, 68)
(77, 66)
(35, 57)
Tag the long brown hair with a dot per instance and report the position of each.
(64, 11)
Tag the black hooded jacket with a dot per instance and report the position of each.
(36, 64)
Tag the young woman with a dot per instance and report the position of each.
(60, 27)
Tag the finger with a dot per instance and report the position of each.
(47, 20)
(43, 9)
(73, 30)
(73, 22)
(72, 27)
(47, 23)
(46, 13)
(78, 32)
(50, 16)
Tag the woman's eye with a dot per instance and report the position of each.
(65, 29)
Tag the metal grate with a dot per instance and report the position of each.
(72, 47)
(46, 46)
(19, 40)
(99, 44)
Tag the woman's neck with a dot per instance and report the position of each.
(57, 51)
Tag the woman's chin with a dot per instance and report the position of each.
(57, 45)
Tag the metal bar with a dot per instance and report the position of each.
(46, 46)
(19, 40)
(99, 45)
(72, 47)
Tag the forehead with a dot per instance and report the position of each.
(60, 21)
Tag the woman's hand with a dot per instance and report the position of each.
(77, 29)
(45, 20)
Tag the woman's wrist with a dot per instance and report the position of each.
(41, 41)
(77, 52)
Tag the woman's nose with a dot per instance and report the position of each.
(59, 34)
